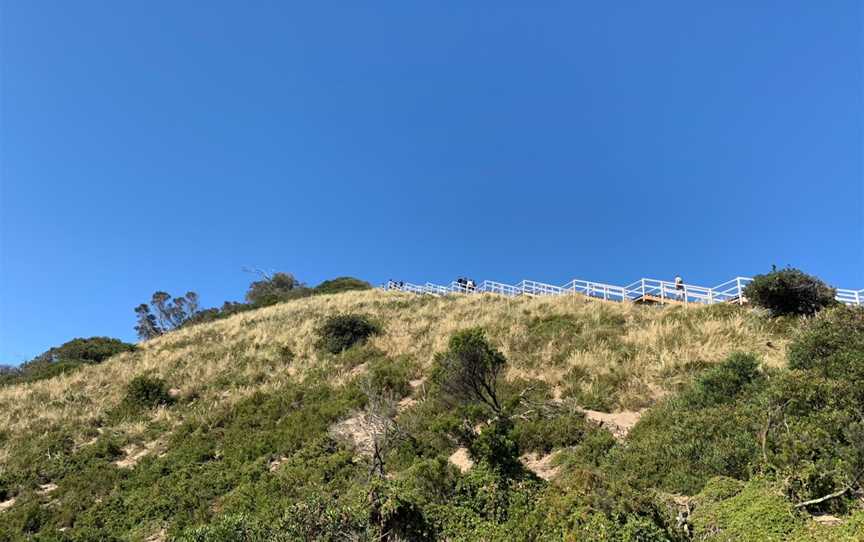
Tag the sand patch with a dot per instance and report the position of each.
(618, 423)
(356, 430)
(135, 453)
(541, 465)
(7, 504)
(461, 459)
(45, 489)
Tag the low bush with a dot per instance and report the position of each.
(832, 344)
(753, 511)
(789, 292)
(496, 447)
(341, 284)
(546, 432)
(389, 376)
(722, 384)
(66, 358)
(145, 392)
(340, 332)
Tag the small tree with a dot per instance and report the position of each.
(274, 288)
(379, 422)
(469, 371)
(146, 326)
(170, 313)
(789, 292)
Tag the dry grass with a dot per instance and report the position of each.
(215, 365)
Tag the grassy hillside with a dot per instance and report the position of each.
(259, 434)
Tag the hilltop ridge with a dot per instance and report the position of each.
(247, 424)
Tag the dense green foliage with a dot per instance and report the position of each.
(470, 370)
(831, 344)
(269, 290)
(789, 292)
(66, 358)
(275, 288)
(146, 392)
(341, 284)
(757, 450)
(342, 331)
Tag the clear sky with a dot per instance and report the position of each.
(166, 145)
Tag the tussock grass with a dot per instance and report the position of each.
(645, 350)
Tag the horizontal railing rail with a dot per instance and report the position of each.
(643, 290)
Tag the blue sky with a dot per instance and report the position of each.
(166, 145)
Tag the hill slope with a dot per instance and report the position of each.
(261, 428)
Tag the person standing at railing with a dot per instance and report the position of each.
(679, 288)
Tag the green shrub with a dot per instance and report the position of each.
(146, 392)
(544, 433)
(813, 436)
(340, 332)
(757, 511)
(390, 376)
(709, 429)
(275, 288)
(470, 370)
(66, 358)
(230, 528)
(341, 284)
(678, 448)
(496, 447)
(723, 383)
(789, 292)
(832, 344)
(601, 392)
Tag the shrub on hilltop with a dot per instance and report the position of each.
(789, 292)
(341, 284)
(275, 288)
(65, 358)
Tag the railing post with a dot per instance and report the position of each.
(740, 293)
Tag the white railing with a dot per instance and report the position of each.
(644, 290)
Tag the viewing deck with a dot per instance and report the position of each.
(644, 290)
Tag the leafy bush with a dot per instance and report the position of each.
(92, 350)
(813, 436)
(706, 431)
(275, 288)
(723, 383)
(230, 528)
(789, 292)
(389, 376)
(756, 511)
(341, 284)
(146, 392)
(832, 344)
(66, 358)
(340, 332)
(496, 447)
(470, 369)
(544, 433)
